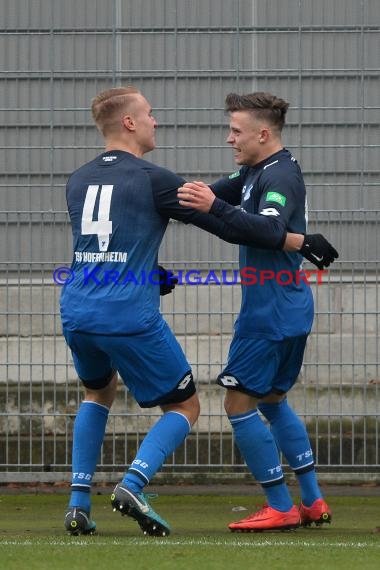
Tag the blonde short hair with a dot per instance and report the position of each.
(107, 106)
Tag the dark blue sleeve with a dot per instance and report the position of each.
(259, 232)
(283, 196)
(252, 229)
(229, 187)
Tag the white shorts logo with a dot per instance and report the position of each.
(228, 381)
(183, 384)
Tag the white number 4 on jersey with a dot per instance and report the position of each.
(102, 227)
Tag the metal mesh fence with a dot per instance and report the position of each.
(185, 56)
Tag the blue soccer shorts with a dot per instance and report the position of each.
(151, 364)
(258, 367)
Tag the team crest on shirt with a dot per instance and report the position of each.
(247, 192)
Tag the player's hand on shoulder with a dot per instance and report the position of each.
(318, 250)
(196, 195)
(168, 281)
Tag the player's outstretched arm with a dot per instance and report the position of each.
(314, 247)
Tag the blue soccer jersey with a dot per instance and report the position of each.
(277, 301)
(116, 235)
(119, 207)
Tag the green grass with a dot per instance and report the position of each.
(32, 537)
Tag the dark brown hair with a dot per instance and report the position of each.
(265, 106)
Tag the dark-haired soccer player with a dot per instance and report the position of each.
(119, 206)
(276, 314)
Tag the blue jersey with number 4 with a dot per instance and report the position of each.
(119, 207)
(117, 232)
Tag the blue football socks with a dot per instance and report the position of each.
(89, 428)
(164, 437)
(259, 450)
(293, 441)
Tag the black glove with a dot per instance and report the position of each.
(318, 250)
(167, 281)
